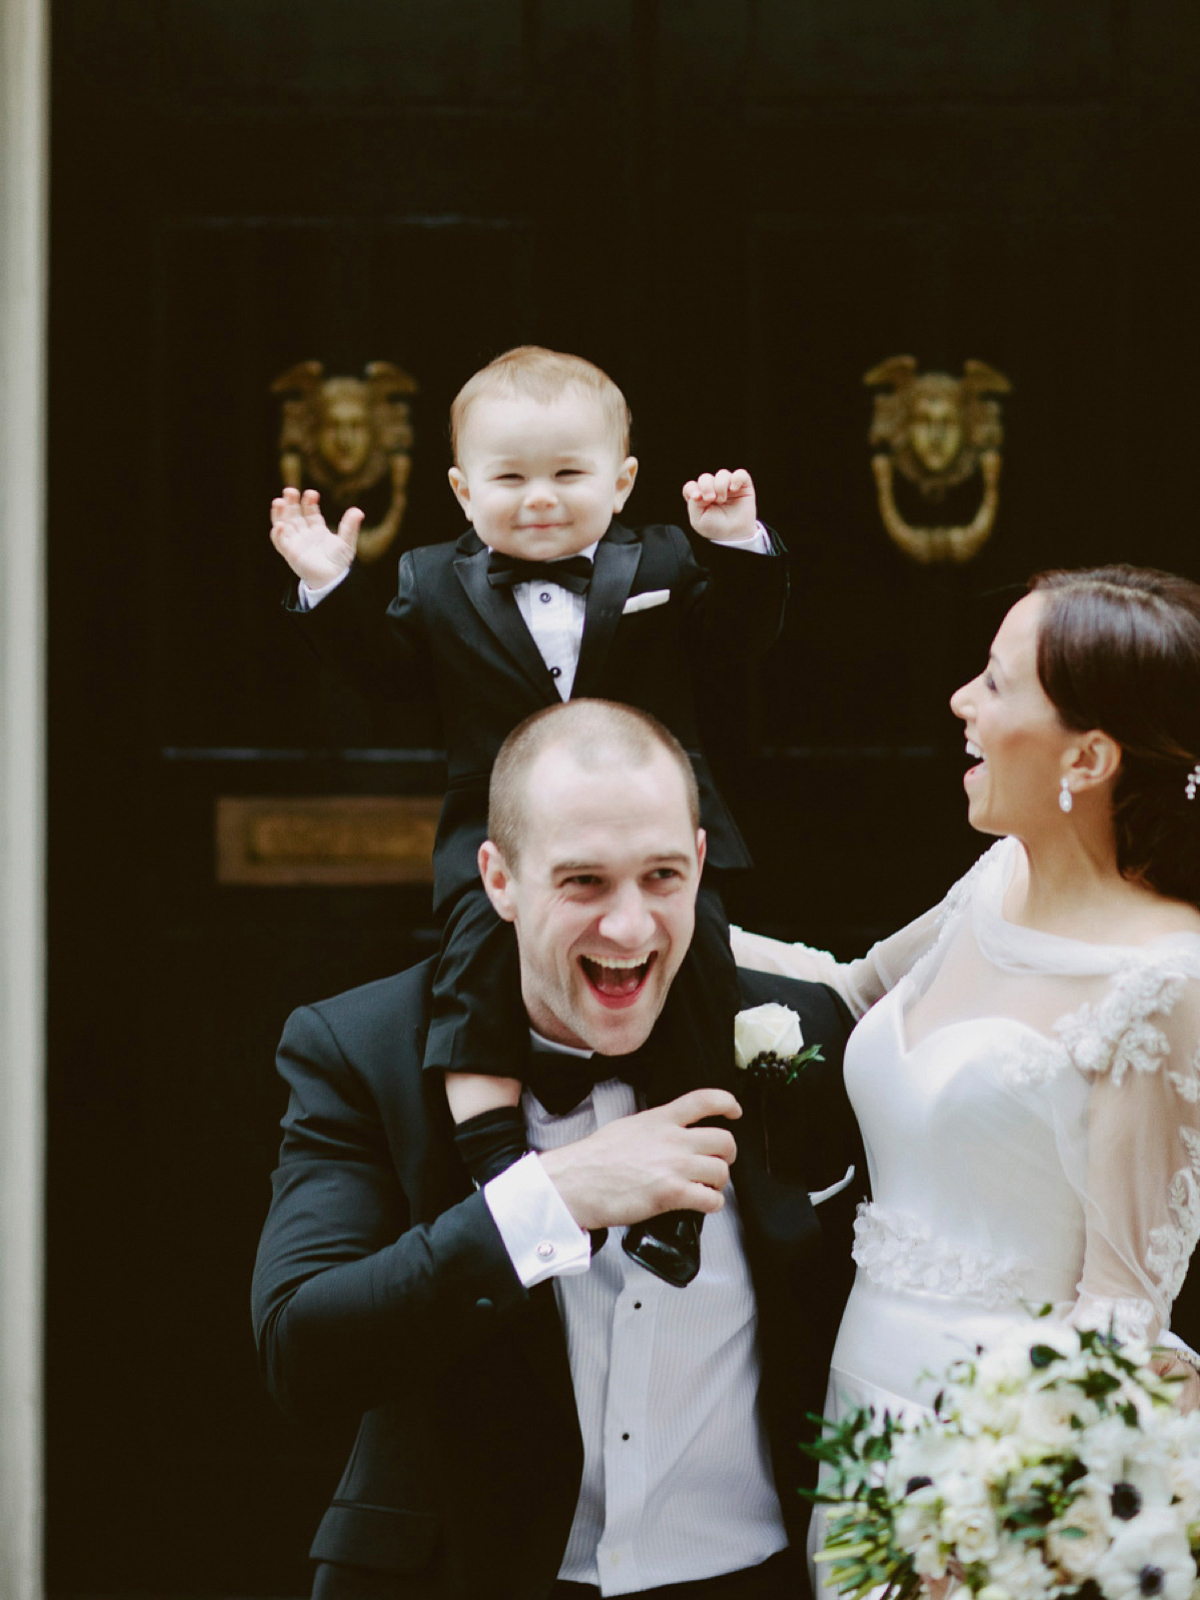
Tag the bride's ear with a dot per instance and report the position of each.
(1097, 760)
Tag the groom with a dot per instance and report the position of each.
(538, 1420)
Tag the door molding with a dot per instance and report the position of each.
(23, 247)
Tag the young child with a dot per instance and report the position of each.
(547, 597)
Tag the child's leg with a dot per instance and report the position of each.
(692, 1042)
(478, 1035)
(691, 1048)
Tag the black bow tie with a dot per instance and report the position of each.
(562, 1081)
(572, 572)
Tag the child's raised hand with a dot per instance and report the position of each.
(721, 505)
(305, 541)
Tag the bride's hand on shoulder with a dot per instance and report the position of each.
(1187, 1393)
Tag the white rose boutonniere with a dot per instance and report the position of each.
(768, 1045)
(769, 1048)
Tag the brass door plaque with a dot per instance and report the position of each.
(335, 839)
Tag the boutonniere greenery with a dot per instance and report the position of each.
(768, 1045)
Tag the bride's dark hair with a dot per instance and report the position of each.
(1119, 650)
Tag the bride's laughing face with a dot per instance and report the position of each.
(1018, 742)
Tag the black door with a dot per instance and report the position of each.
(737, 207)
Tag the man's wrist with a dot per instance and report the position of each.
(537, 1229)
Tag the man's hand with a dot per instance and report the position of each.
(301, 535)
(721, 505)
(655, 1161)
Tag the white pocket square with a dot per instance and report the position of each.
(834, 1188)
(643, 602)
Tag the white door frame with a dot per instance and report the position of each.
(24, 37)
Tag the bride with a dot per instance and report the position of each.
(1027, 1068)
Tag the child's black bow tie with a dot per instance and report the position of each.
(572, 572)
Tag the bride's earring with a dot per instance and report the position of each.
(1065, 798)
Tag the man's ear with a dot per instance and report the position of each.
(701, 847)
(497, 881)
(626, 473)
(462, 490)
(1097, 761)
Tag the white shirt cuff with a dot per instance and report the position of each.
(759, 541)
(541, 1236)
(313, 597)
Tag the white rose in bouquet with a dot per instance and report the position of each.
(1050, 1417)
(1021, 1573)
(1183, 1469)
(970, 1525)
(1085, 1534)
(1105, 1449)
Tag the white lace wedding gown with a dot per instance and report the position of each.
(1030, 1107)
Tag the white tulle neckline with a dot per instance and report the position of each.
(1019, 949)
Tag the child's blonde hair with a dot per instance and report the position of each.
(542, 375)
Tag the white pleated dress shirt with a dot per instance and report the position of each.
(677, 1482)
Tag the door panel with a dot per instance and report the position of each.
(737, 207)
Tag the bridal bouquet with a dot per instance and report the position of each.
(1053, 1464)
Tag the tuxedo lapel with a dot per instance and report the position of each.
(616, 564)
(498, 611)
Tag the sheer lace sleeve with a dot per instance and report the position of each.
(860, 983)
(1139, 1165)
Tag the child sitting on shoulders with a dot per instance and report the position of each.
(547, 597)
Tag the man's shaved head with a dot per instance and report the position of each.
(598, 735)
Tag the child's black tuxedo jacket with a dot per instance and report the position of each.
(450, 637)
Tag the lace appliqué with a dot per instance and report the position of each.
(1036, 1058)
(1116, 1035)
(898, 1252)
(1171, 1245)
(1187, 1084)
(1127, 1317)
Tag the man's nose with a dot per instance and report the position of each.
(627, 920)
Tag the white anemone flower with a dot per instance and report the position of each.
(1148, 1560)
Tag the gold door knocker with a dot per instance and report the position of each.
(937, 430)
(344, 436)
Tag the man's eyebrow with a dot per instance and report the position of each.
(663, 858)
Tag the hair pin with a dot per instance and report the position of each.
(1192, 784)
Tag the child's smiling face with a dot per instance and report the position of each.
(540, 480)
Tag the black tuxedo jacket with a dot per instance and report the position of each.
(383, 1290)
(451, 638)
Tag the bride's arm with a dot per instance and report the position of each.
(1140, 1170)
(860, 983)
